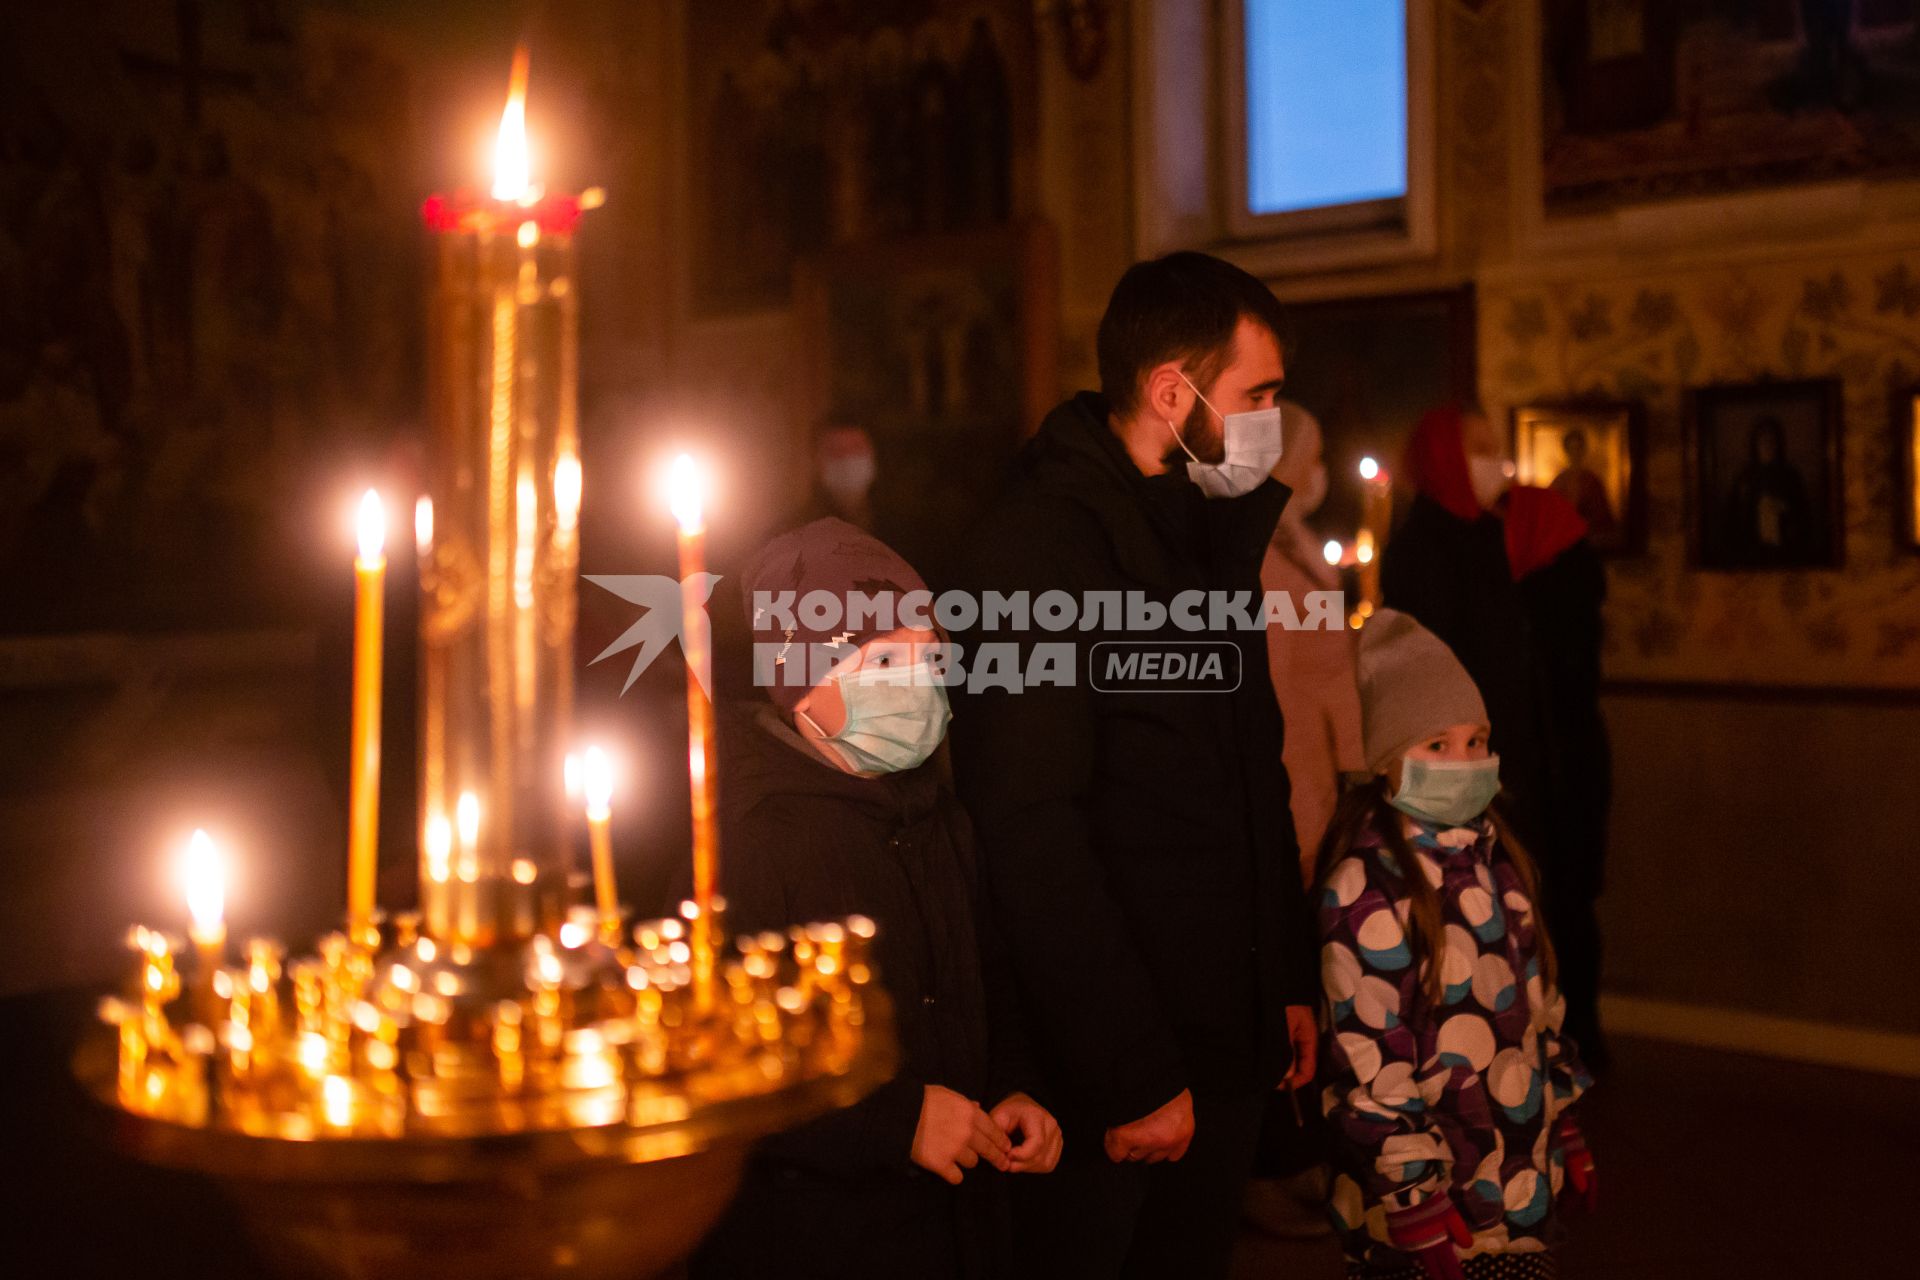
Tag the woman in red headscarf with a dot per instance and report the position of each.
(1505, 575)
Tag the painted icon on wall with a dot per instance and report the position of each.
(1765, 462)
(1906, 433)
(1591, 454)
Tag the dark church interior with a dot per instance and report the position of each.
(443, 837)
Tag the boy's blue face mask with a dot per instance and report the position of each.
(1451, 793)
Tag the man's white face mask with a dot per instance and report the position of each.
(1250, 443)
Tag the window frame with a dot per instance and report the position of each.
(1172, 120)
(1380, 213)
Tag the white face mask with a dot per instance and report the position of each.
(1250, 444)
(848, 477)
(1490, 478)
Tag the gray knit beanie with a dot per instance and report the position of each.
(1411, 687)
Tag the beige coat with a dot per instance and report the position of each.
(1315, 680)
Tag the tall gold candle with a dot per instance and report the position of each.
(363, 802)
(686, 483)
(504, 483)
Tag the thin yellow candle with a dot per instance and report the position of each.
(685, 491)
(437, 853)
(596, 778)
(466, 821)
(1376, 513)
(363, 803)
(204, 871)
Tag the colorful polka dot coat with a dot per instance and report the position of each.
(1458, 1098)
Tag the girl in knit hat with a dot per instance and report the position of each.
(1447, 1079)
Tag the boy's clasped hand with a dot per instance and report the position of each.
(955, 1134)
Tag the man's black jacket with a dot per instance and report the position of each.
(1136, 849)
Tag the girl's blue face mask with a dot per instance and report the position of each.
(1451, 793)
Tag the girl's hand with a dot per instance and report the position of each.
(955, 1135)
(1583, 1179)
(1038, 1150)
(1433, 1233)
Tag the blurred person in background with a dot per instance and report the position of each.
(1506, 576)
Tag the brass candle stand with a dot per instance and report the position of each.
(556, 1107)
(506, 1083)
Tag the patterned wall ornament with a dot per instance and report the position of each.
(1650, 338)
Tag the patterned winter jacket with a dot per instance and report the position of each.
(1456, 1100)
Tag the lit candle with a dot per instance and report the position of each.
(1376, 514)
(466, 821)
(685, 491)
(363, 804)
(433, 677)
(336, 1104)
(596, 778)
(205, 874)
(1332, 552)
(511, 170)
(437, 854)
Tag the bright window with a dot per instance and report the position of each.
(1326, 103)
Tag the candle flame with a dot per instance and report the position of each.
(1332, 551)
(423, 526)
(510, 180)
(566, 490)
(466, 816)
(439, 847)
(336, 1100)
(685, 484)
(205, 873)
(596, 780)
(372, 528)
(1369, 469)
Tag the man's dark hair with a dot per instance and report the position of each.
(1183, 307)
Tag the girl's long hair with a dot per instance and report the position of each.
(1426, 935)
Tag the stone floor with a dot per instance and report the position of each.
(1713, 1165)
(1718, 1165)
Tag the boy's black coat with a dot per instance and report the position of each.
(802, 841)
